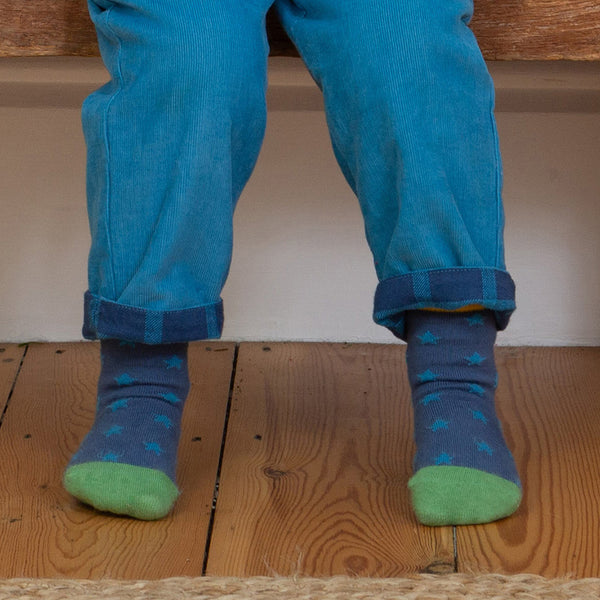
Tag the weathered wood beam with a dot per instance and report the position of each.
(507, 30)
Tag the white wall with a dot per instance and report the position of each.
(301, 268)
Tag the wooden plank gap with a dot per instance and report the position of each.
(455, 547)
(317, 458)
(6, 360)
(220, 463)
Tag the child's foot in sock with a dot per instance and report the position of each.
(126, 464)
(464, 472)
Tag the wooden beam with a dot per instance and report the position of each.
(538, 29)
(507, 30)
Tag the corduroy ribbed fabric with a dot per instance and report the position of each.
(174, 136)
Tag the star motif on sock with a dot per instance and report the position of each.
(443, 459)
(475, 320)
(479, 416)
(124, 379)
(428, 338)
(174, 363)
(117, 404)
(427, 376)
(475, 359)
(110, 457)
(429, 399)
(153, 447)
(483, 447)
(114, 430)
(171, 398)
(439, 424)
(477, 390)
(163, 420)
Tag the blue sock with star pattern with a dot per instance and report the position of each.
(127, 462)
(464, 471)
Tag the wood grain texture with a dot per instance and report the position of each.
(538, 29)
(45, 532)
(508, 30)
(314, 475)
(10, 359)
(549, 400)
(38, 28)
(316, 463)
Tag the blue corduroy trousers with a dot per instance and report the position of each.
(173, 138)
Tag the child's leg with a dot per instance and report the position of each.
(410, 109)
(127, 462)
(171, 141)
(464, 472)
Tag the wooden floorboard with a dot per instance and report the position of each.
(549, 399)
(10, 360)
(44, 532)
(314, 473)
(317, 458)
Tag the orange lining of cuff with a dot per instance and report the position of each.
(468, 308)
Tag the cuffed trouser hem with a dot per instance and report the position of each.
(446, 289)
(105, 319)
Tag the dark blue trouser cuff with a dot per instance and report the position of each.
(104, 319)
(447, 289)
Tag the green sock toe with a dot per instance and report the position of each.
(447, 495)
(122, 489)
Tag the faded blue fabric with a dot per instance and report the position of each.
(445, 289)
(174, 136)
(110, 320)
